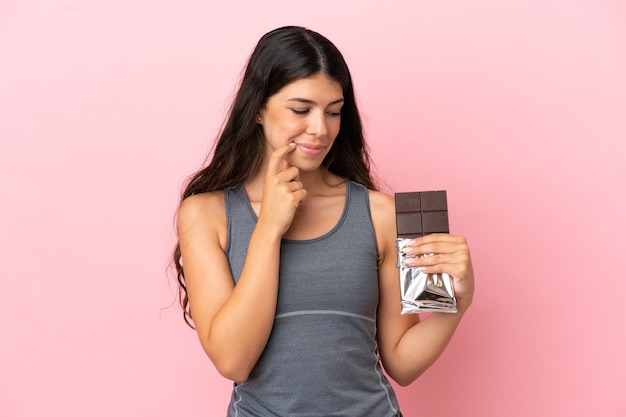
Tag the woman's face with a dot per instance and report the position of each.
(306, 112)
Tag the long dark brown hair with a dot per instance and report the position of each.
(281, 56)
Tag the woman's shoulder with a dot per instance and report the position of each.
(202, 201)
(383, 210)
(201, 209)
(381, 201)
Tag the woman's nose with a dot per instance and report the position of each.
(317, 124)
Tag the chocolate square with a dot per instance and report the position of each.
(421, 213)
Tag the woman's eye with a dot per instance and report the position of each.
(334, 113)
(297, 111)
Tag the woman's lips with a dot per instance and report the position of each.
(310, 149)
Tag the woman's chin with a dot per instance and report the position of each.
(305, 165)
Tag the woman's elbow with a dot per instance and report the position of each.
(404, 382)
(403, 378)
(230, 365)
(232, 371)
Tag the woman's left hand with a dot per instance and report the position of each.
(449, 254)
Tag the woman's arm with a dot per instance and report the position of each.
(407, 345)
(234, 322)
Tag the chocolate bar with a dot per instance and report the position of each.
(421, 213)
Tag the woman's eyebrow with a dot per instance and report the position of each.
(308, 101)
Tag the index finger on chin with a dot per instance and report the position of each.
(277, 162)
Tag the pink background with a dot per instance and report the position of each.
(518, 109)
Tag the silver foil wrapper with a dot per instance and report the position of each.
(420, 292)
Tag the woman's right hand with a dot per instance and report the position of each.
(282, 192)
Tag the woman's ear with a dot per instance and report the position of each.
(259, 115)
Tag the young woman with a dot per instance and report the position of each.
(286, 257)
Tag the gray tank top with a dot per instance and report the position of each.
(321, 358)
